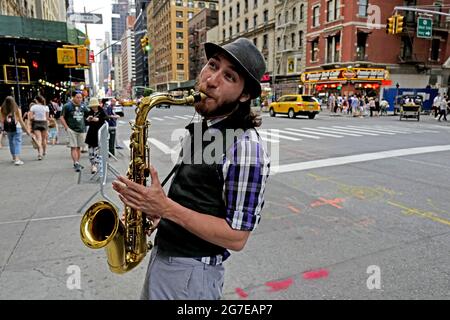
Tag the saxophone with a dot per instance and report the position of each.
(101, 227)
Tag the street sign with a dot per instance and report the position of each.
(424, 28)
(93, 18)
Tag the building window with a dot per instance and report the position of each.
(266, 16)
(223, 17)
(212, 6)
(316, 16)
(231, 31)
(179, 14)
(246, 25)
(190, 15)
(180, 46)
(284, 43)
(201, 4)
(292, 40)
(265, 42)
(179, 3)
(230, 18)
(180, 66)
(302, 12)
(238, 27)
(180, 56)
(332, 10)
(238, 8)
(255, 4)
(255, 21)
(179, 24)
(255, 41)
(300, 39)
(435, 45)
(294, 14)
(190, 4)
(315, 50)
(363, 4)
(278, 43)
(245, 6)
(279, 19)
(179, 35)
(361, 46)
(333, 48)
(224, 35)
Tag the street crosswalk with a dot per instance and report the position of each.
(317, 133)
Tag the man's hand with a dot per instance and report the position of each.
(152, 200)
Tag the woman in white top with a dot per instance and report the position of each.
(39, 115)
(13, 124)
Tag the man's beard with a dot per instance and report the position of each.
(221, 110)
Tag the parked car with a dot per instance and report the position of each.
(165, 106)
(294, 105)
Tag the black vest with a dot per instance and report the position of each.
(199, 187)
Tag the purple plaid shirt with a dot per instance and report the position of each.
(245, 170)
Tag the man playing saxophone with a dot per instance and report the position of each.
(211, 206)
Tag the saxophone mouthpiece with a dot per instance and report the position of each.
(199, 96)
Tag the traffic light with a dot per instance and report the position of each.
(399, 24)
(390, 25)
(144, 44)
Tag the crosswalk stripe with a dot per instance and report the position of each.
(354, 131)
(170, 118)
(361, 131)
(156, 118)
(409, 130)
(299, 134)
(269, 140)
(376, 129)
(316, 133)
(328, 130)
(273, 133)
(180, 117)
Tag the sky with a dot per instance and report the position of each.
(95, 31)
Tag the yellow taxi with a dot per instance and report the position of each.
(294, 105)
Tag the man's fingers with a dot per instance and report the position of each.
(154, 175)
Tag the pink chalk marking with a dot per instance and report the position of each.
(331, 202)
(280, 285)
(293, 209)
(316, 274)
(241, 293)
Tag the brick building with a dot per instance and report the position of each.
(348, 48)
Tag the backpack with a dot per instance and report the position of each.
(9, 125)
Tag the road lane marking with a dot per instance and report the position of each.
(299, 134)
(273, 133)
(338, 161)
(156, 118)
(170, 118)
(316, 133)
(327, 130)
(365, 130)
(341, 131)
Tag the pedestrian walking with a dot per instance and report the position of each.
(210, 208)
(73, 121)
(95, 119)
(39, 116)
(13, 126)
(112, 125)
(443, 108)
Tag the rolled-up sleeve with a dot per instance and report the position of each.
(245, 170)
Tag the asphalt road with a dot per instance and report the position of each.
(356, 208)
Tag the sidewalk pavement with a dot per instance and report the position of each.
(41, 254)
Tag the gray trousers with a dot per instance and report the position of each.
(174, 278)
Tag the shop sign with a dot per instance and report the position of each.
(345, 74)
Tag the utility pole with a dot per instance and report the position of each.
(87, 43)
